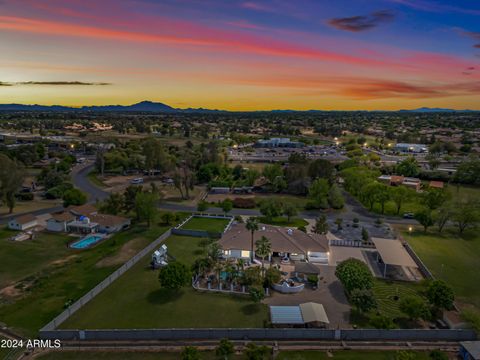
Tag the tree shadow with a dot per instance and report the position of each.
(164, 296)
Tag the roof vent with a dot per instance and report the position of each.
(290, 232)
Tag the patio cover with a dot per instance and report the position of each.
(313, 312)
(392, 252)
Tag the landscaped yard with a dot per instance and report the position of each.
(149, 306)
(216, 225)
(451, 257)
(68, 275)
(389, 295)
(19, 259)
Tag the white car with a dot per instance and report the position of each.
(136, 181)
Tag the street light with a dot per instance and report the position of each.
(410, 229)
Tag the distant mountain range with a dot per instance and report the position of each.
(150, 106)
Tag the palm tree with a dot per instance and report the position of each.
(264, 248)
(252, 225)
(240, 264)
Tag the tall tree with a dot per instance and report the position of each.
(263, 249)
(146, 206)
(399, 195)
(11, 179)
(252, 226)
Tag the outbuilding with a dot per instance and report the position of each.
(23, 222)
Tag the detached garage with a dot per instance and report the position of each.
(23, 222)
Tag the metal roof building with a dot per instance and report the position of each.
(307, 313)
(470, 350)
(286, 315)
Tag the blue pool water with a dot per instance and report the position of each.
(86, 242)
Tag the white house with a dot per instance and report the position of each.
(58, 222)
(23, 222)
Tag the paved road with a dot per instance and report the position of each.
(81, 181)
(353, 209)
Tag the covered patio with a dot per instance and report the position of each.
(392, 253)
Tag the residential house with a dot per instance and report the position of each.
(110, 223)
(59, 221)
(285, 242)
(83, 210)
(23, 222)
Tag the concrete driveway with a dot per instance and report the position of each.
(330, 294)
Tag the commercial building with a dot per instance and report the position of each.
(278, 142)
(411, 148)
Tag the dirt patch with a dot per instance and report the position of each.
(10, 292)
(126, 252)
(63, 261)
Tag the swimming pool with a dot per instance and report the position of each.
(86, 242)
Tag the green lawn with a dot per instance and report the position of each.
(207, 224)
(19, 259)
(389, 295)
(282, 221)
(139, 302)
(453, 258)
(55, 284)
(298, 201)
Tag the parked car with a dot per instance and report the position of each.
(136, 181)
(408, 215)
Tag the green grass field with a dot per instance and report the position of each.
(282, 221)
(207, 224)
(19, 259)
(451, 257)
(389, 295)
(69, 278)
(149, 306)
(209, 355)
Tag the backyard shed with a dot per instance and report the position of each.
(286, 315)
(308, 314)
(314, 314)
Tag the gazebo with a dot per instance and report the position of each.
(392, 253)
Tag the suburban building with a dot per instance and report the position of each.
(83, 210)
(411, 148)
(304, 315)
(397, 180)
(110, 223)
(278, 142)
(59, 221)
(285, 242)
(23, 222)
(436, 184)
(82, 226)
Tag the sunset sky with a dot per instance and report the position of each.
(242, 55)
